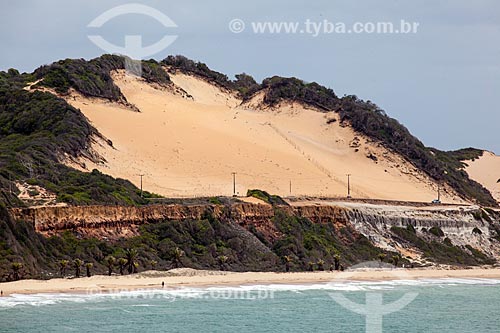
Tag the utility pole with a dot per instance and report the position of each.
(348, 186)
(142, 175)
(290, 187)
(234, 183)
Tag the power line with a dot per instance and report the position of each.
(234, 183)
(348, 186)
(142, 175)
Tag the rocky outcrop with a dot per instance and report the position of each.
(462, 226)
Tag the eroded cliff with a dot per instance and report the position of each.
(420, 234)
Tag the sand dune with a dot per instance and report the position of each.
(486, 171)
(189, 146)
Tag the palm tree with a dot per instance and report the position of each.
(63, 264)
(336, 260)
(222, 261)
(16, 269)
(310, 264)
(88, 266)
(131, 255)
(321, 264)
(382, 256)
(110, 262)
(177, 255)
(288, 260)
(77, 263)
(121, 263)
(395, 260)
(153, 264)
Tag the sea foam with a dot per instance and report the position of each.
(172, 294)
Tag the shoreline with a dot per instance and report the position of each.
(184, 277)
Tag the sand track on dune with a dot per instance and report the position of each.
(189, 146)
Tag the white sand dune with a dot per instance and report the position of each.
(486, 171)
(189, 146)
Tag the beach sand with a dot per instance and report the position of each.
(185, 277)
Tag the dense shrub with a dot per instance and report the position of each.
(36, 130)
(266, 197)
(305, 242)
(244, 83)
(203, 242)
(189, 66)
(443, 252)
(436, 231)
(369, 119)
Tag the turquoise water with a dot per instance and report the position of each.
(440, 306)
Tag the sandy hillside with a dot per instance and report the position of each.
(486, 171)
(188, 146)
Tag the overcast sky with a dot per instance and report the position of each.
(439, 82)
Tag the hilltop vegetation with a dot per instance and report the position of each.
(92, 78)
(37, 130)
(364, 116)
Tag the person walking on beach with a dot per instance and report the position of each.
(163, 284)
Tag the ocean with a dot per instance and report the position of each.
(445, 305)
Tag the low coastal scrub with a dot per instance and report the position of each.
(436, 231)
(93, 77)
(367, 118)
(443, 252)
(208, 243)
(305, 242)
(266, 197)
(37, 130)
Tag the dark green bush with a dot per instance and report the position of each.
(436, 231)
(266, 197)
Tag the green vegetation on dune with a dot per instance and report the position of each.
(244, 83)
(37, 130)
(364, 116)
(198, 68)
(305, 241)
(442, 251)
(266, 197)
(278, 89)
(465, 154)
(92, 78)
(367, 118)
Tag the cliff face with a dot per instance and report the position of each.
(463, 226)
(118, 221)
(467, 226)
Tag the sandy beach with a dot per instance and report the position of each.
(193, 278)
